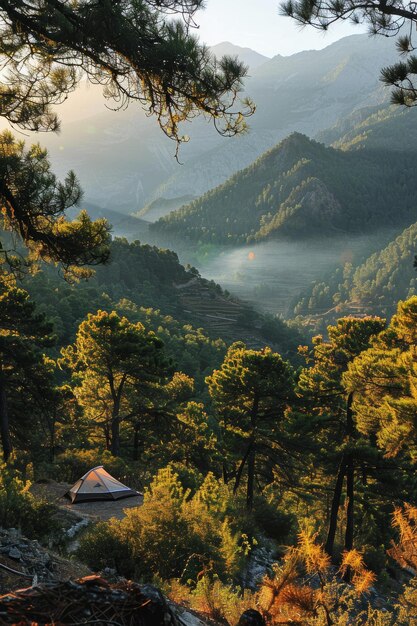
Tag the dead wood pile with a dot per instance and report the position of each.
(89, 600)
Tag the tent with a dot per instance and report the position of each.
(97, 484)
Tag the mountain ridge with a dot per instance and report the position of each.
(299, 188)
(138, 165)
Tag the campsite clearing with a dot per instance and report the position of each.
(102, 510)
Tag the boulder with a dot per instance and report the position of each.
(251, 618)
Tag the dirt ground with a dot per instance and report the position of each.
(54, 492)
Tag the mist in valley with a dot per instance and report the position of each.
(271, 275)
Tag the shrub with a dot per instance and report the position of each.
(173, 535)
(72, 464)
(102, 546)
(189, 477)
(158, 534)
(20, 509)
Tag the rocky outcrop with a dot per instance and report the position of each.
(316, 208)
(25, 562)
(26, 559)
(57, 595)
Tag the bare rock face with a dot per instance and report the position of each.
(309, 208)
(320, 203)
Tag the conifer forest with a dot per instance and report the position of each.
(208, 312)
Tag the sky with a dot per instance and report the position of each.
(257, 24)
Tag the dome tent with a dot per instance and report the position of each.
(97, 484)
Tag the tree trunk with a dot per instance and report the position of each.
(4, 420)
(350, 476)
(115, 430)
(107, 437)
(52, 442)
(136, 442)
(241, 467)
(350, 480)
(350, 470)
(334, 511)
(225, 474)
(115, 437)
(252, 453)
(251, 477)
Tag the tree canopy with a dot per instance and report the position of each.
(116, 363)
(250, 393)
(33, 208)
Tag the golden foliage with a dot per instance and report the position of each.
(352, 559)
(300, 597)
(363, 580)
(313, 555)
(272, 587)
(405, 551)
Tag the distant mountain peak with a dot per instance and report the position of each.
(250, 57)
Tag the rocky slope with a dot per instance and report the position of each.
(63, 592)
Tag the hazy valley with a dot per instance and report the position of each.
(301, 187)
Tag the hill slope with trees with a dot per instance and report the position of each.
(385, 127)
(372, 285)
(154, 286)
(300, 189)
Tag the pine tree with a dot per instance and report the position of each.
(325, 407)
(134, 49)
(250, 393)
(25, 379)
(384, 379)
(34, 205)
(115, 365)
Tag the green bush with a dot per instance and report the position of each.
(73, 464)
(271, 521)
(189, 477)
(159, 534)
(102, 546)
(20, 509)
(173, 535)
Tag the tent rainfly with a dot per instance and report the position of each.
(97, 484)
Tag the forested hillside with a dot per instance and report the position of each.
(373, 285)
(125, 163)
(149, 284)
(301, 189)
(376, 127)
